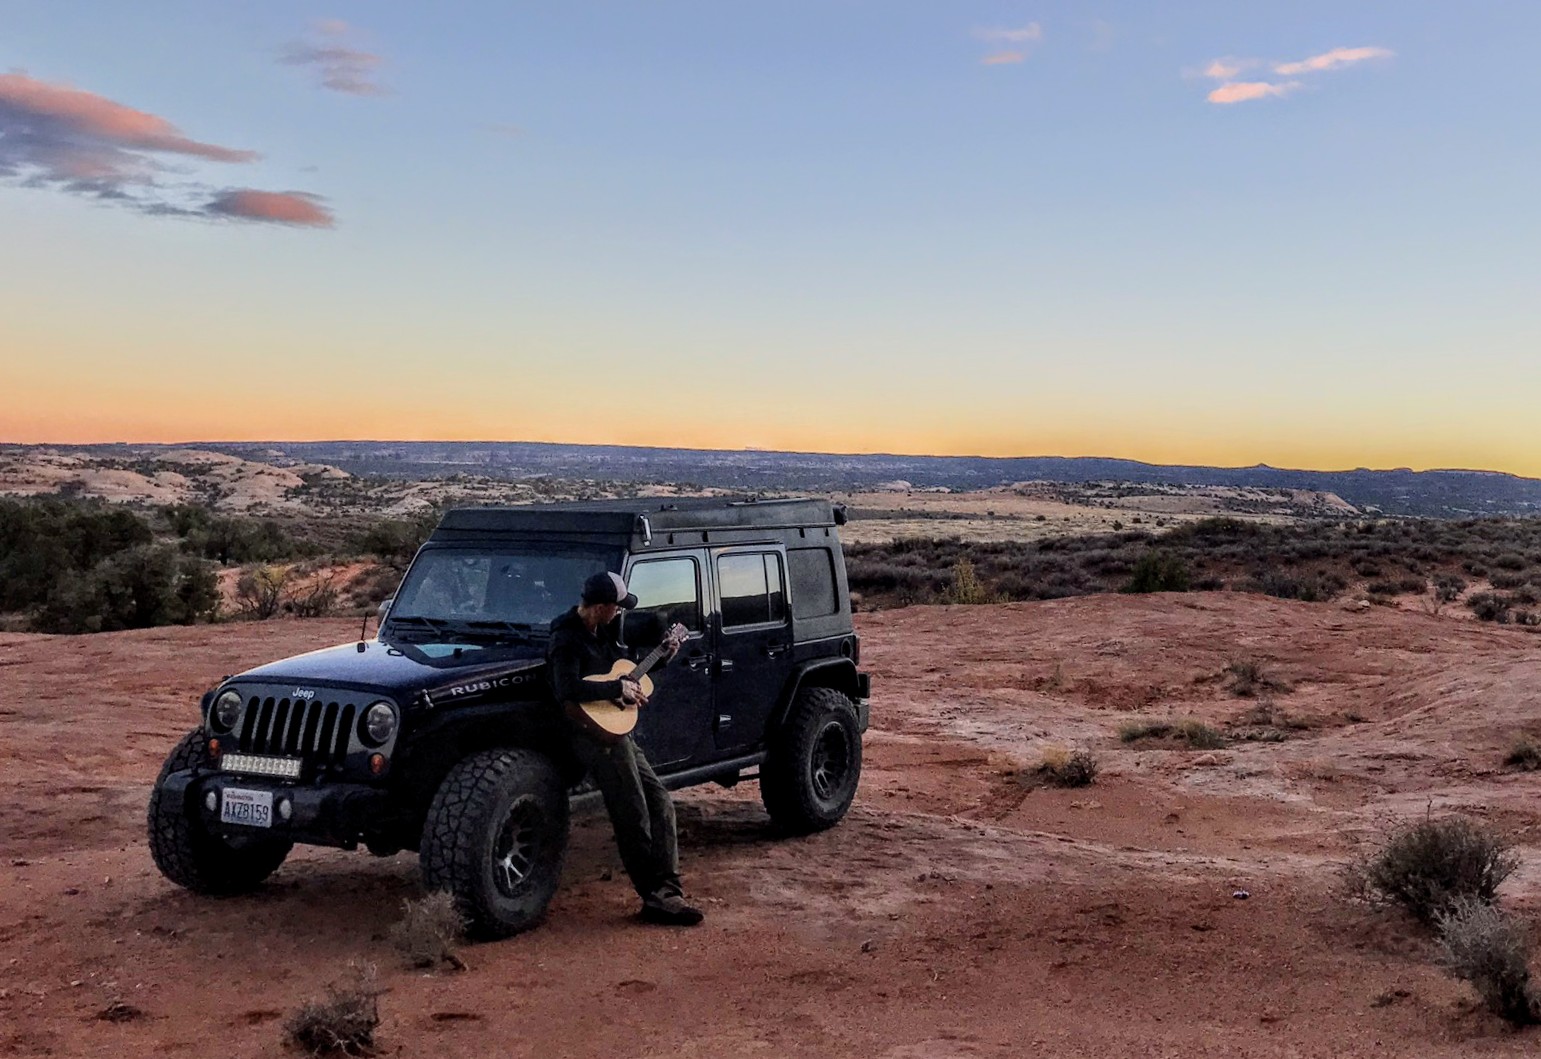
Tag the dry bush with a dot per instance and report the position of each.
(429, 931)
(1489, 949)
(1524, 754)
(966, 586)
(1248, 678)
(316, 599)
(1195, 733)
(260, 593)
(343, 1022)
(1064, 768)
(1428, 867)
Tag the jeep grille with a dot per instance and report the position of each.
(312, 729)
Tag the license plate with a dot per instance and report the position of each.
(252, 808)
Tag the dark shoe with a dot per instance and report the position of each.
(670, 910)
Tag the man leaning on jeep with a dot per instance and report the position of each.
(584, 643)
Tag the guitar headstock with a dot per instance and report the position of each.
(676, 635)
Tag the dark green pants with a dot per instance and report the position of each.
(641, 812)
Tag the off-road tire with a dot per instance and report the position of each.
(814, 763)
(513, 799)
(192, 856)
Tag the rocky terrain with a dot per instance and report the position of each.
(957, 911)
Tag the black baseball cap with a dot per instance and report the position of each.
(608, 588)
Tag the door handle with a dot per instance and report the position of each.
(775, 650)
(725, 665)
(698, 662)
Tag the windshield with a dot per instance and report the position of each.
(512, 589)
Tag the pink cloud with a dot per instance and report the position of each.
(1225, 69)
(1001, 58)
(277, 207)
(1243, 91)
(66, 138)
(1331, 60)
(29, 107)
(338, 66)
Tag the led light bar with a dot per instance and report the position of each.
(284, 768)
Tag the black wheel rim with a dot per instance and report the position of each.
(517, 847)
(831, 761)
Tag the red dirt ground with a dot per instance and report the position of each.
(955, 912)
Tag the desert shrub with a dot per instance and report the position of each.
(1158, 572)
(1448, 588)
(1195, 733)
(373, 585)
(1524, 754)
(1489, 606)
(1248, 678)
(44, 542)
(1063, 768)
(343, 1022)
(260, 593)
(1506, 581)
(966, 586)
(1429, 866)
(140, 587)
(396, 541)
(1397, 586)
(1482, 945)
(315, 598)
(1509, 561)
(429, 930)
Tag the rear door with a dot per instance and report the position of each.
(676, 724)
(754, 640)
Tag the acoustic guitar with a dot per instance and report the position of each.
(613, 718)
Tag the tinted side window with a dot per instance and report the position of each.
(670, 589)
(752, 588)
(813, 582)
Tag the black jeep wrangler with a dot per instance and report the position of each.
(441, 735)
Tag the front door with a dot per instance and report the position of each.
(753, 638)
(675, 726)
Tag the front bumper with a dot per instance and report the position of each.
(338, 814)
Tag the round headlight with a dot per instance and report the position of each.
(379, 723)
(226, 711)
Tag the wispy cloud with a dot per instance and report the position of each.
(62, 137)
(1030, 33)
(1011, 43)
(1225, 69)
(337, 64)
(1331, 60)
(1244, 91)
(1233, 91)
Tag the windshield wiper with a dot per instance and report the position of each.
(521, 629)
(432, 624)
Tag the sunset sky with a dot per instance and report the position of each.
(1300, 233)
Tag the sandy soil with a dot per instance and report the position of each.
(956, 912)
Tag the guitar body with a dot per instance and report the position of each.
(613, 717)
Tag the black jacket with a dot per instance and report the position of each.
(575, 653)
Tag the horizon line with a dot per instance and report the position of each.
(765, 451)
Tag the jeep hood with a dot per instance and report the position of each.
(399, 670)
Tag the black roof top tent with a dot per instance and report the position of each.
(640, 518)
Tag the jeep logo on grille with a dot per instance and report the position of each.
(302, 693)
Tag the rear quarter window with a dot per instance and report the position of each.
(813, 582)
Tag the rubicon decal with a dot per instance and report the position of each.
(487, 687)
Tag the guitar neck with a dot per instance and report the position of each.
(648, 662)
